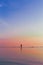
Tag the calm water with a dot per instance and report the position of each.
(18, 56)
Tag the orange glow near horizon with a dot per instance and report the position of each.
(26, 41)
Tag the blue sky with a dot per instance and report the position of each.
(21, 17)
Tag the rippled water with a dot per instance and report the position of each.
(21, 56)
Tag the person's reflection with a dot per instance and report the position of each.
(21, 47)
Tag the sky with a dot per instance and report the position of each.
(21, 21)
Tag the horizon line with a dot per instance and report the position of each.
(20, 47)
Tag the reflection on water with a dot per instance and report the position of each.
(21, 49)
(13, 56)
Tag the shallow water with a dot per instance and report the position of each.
(21, 56)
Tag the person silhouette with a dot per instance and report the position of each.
(21, 45)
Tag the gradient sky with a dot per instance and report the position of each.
(21, 18)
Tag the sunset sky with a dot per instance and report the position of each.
(21, 21)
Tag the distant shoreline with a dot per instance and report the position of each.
(24, 47)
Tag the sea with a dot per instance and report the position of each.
(21, 56)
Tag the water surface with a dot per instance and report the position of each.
(21, 56)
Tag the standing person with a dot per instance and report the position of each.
(21, 45)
